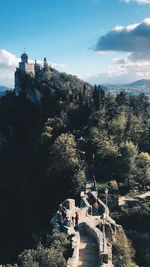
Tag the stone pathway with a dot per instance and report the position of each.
(88, 253)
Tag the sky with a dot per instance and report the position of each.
(101, 41)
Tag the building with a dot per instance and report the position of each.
(25, 66)
(29, 68)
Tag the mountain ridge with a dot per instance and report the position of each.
(139, 83)
(3, 90)
(135, 88)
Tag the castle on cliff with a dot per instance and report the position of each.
(29, 68)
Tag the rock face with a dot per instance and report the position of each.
(26, 68)
(24, 85)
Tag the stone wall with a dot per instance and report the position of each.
(73, 261)
(68, 228)
(29, 68)
(85, 204)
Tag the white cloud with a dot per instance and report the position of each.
(126, 65)
(122, 70)
(53, 64)
(138, 1)
(134, 38)
(7, 60)
(8, 64)
(134, 41)
(57, 65)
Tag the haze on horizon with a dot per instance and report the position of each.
(101, 41)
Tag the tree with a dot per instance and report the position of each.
(134, 128)
(50, 254)
(105, 150)
(64, 153)
(126, 164)
(117, 127)
(122, 98)
(143, 164)
(66, 163)
(123, 252)
(98, 119)
(47, 132)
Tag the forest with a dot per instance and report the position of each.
(45, 149)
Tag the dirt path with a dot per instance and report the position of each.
(147, 194)
(123, 199)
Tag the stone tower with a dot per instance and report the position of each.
(45, 64)
(37, 67)
(24, 58)
(25, 66)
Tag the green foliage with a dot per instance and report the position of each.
(141, 242)
(65, 162)
(52, 128)
(143, 164)
(135, 221)
(126, 167)
(123, 252)
(63, 153)
(47, 132)
(43, 160)
(50, 254)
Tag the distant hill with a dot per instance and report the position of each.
(134, 88)
(140, 83)
(3, 90)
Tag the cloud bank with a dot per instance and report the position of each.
(138, 1)
(133, 41)
(7, 60)
(8, 64)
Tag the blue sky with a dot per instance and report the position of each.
(66, 30)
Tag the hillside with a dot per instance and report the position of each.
(48, 142)
(29, 182)
(34, 88)
(140, 83)
(3, 90)
(135, 88)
